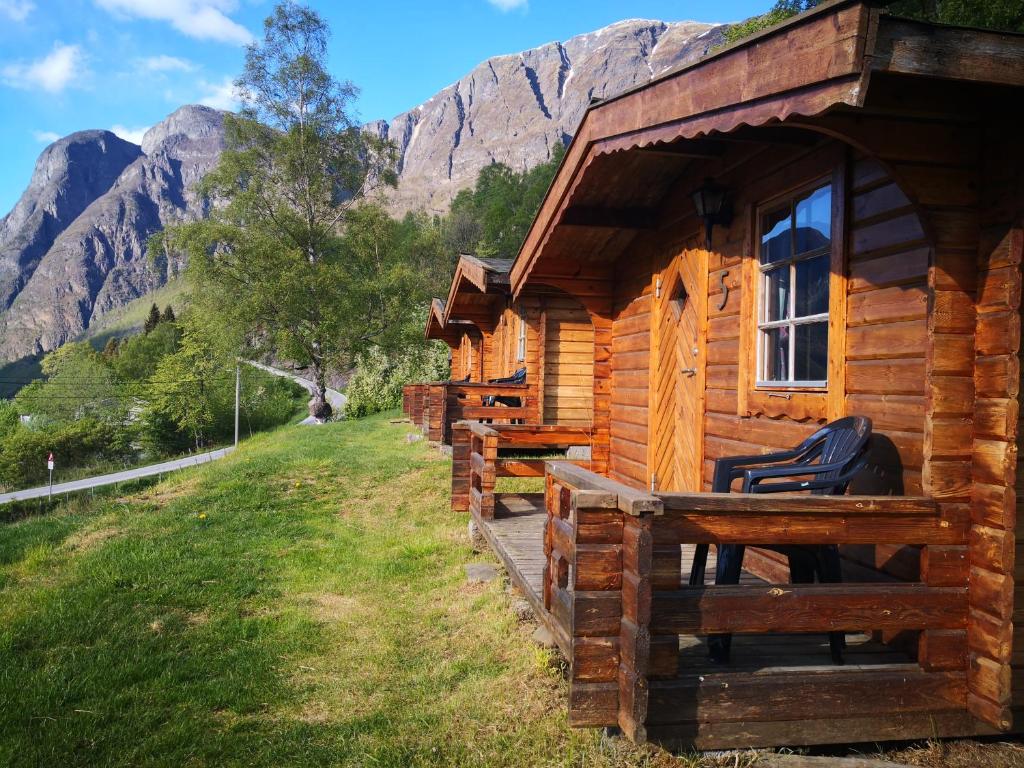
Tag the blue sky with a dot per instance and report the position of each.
(68, 65)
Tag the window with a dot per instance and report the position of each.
(794, 262)
(521, 352)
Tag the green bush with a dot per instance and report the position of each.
(377, 380)
(76, 444)
(9, 418)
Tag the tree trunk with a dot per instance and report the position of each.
(319, 408)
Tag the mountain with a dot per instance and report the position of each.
(514, 109)
(74, 245)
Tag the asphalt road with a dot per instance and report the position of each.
(116, 477)
(334, 397)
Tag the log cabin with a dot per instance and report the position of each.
(492, 335)
(825, 219)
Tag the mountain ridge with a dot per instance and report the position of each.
(73, 246)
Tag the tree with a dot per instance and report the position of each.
(269, 261)
(1005, 15)
(492, 219)
(79, 383)
(190, 387)
(152, 319)
(167, 316)
(110, 348)
(991, 14)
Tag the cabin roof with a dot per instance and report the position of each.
(475, 286)
(438, 328)
(615, 172)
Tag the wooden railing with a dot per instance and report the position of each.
(445, 402)
(613, 585)
(413, 396)
(476, 464)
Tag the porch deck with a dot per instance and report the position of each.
(604, 566)
(516, 535)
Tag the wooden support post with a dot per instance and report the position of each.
(461, 450)
(943, 649)
(634, 633)
(585, 565)
(489, 446)
(997, 481)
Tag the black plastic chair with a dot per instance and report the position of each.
(519, 377)
(823, 464)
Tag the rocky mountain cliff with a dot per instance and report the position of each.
(74, 246)
(514, 109)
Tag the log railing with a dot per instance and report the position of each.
(476, 463)
(614, 587)
(445, 402)
(413, 396)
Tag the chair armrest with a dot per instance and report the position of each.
(729, 468)
(752, 478)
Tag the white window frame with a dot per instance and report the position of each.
(792, 322)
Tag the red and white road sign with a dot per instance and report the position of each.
(49, 462)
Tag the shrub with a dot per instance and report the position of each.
(23, 451)
(377, 380)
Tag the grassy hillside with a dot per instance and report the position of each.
(122, 321)
(300, 603)
(129, 318)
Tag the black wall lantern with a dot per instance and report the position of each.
(714, 206)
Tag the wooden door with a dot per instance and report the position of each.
(678, 325)
(568, 363)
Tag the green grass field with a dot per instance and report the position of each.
(302, 602)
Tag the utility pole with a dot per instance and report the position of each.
(238, 397)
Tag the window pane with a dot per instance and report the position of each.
(812, 286)
(814, 220)
(775, 236)
(776, 354)
(811, 352)
(776, 294)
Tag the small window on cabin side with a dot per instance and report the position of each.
(794, 258)
(521, 351)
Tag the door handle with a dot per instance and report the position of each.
(688, 371)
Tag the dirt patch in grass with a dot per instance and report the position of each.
(81, 541)
(164, 493)
(330, 607)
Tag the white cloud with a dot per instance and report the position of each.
(509, 5)
(52, 73)
(134, 135)
(45, 137)
(222, 95)
(16, 10)
(164, 63)
(201, 19)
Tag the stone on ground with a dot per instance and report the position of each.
(481, 573)
(542, 636)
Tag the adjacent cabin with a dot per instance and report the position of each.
(821, 221)
(535, 348)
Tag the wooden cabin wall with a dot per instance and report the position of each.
(567, 375)
(996, 624)
(470, 358)
(883, 348)
(630, 368)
